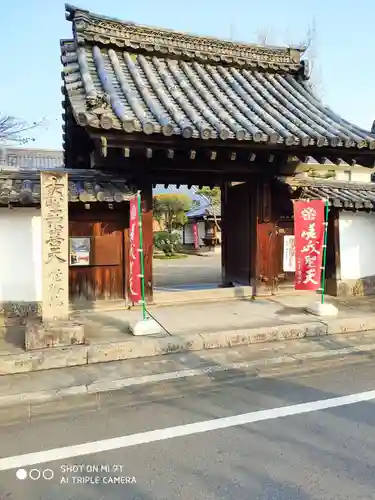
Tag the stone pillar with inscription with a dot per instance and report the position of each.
(55, 246)
(55, 328)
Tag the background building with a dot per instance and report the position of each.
(31, 158)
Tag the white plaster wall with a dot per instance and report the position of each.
(357, 244)
(20, 254)
(342, 176)
(353, 176)
(360, 176)
(189, 235)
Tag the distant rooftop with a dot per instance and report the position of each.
(31, 158)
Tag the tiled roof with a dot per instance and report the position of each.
(205, 210)
(182, 189)
(346, 195)
(174, 189)
(121, 75)
(23, 187)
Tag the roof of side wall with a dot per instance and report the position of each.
(340, 194)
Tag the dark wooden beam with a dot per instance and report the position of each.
(182, 163)
(140, 140)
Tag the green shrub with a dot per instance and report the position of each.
(169, 243)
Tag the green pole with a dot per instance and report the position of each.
(141, 256)
(324, 256)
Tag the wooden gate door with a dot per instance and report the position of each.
(285, 278)
(266, 266)
(104, 277)
(236, 234)
(270, 269)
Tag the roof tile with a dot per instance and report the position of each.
(23, 187)
(345, 195)
(119, 78)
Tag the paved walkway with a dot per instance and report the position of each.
(190, 273)
(203, 318)
(221, 315)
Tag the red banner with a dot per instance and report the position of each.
(195, 235)
(135, 290)
(309, 228)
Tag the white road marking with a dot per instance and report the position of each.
(80, 450)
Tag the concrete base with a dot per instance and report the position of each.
(159, 345)
(146, 327)
(40, 335)
(323, 310)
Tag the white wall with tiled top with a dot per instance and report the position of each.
(357, 244)
(20, 255)
(361, 176)
(353, 176)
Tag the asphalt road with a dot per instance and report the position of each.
(304, 452)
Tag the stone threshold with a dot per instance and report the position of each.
(145, 347)
(21, 310)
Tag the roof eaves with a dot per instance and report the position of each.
(19, 186)
(340, 194)
(287, 115)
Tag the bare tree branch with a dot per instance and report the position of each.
(310, 52)
(309, 40)
(16, 131)
(265, 36)
(308, 45)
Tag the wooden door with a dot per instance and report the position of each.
(284, 278)
(104, 278)
(236, 251)
(266, 265)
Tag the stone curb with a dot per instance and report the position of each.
(40, 397)
(150, 346)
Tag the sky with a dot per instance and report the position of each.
(30, 30)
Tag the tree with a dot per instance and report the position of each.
(170, 210)
(213, 196)
(308, 45)
(16, 131)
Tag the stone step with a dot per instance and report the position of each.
(177, 296)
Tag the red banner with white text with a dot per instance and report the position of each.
(135, 289)
(309, 229)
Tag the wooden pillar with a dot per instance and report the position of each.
(253, 226)
(265, 255)
(148, 244)
(224, 235)
(333, 265)
(236, 234)
(55, 245)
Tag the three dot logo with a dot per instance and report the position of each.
(21, 474)
(35, 474)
